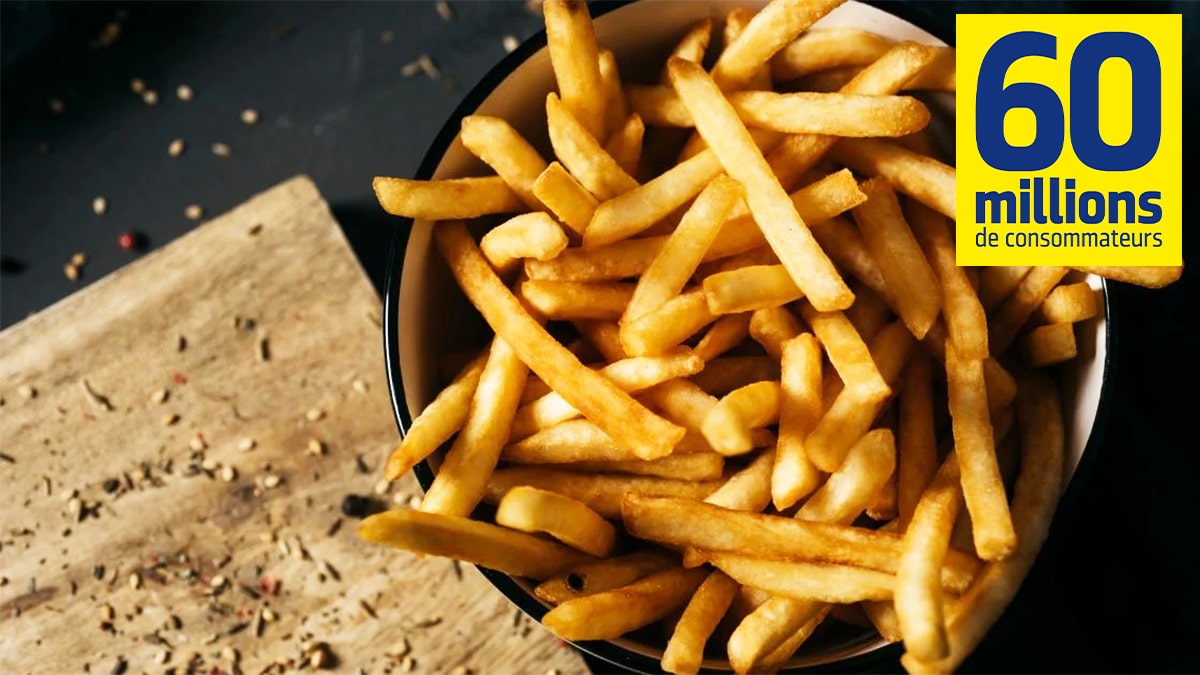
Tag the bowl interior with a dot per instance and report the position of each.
(435, 320)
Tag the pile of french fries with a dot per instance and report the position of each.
(780, 400)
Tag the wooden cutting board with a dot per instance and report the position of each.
(259, 327)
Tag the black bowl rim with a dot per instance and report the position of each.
(609, 651)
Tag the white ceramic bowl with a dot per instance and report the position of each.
(427, 316)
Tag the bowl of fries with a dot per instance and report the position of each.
(683, 361)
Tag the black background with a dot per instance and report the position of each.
(1114, 590)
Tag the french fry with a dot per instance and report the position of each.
(1149, 277)
(725, 333)
(440, 420)
(975, 445)
(997, 283)
(601, 492)
(625, 144)
(659, 106)
(850, 415)
(775, 628)
(666, 327)
(491, 546)
(853, 115)
(939, 75)
(616, 110)
(769, 31)
(749, 288)
(728, 424)
(692, 46)
(917, 438)
(912, 286)
(602, 575)
(685, 649)
(746, 490)
(1038, 488)
(735, 24)
(569, 201)
(621, 260)
(762, 256)
(691, 466)
(849, 251)
(459, 484)
(848, 490)
(806, 581)
(1001, 386)
(794, 476)
(847, 352)
(501, 147)
(784, 652)
(1049, 344)
(684, 248)
(571, 41)
(610, 614)
(1010, 318)
(869, 313)
(923, 178)
(626, 420)
(965, 319)
(882, 614)
(818, 50)
(634, 374)
(445, 199)
(639, 208)
(1069, 303)
(582, 154)
(568, 300)
(772, 327)
(579, 440)
(682, 402)
(528, 509)
(918, 598)
(529, 235)
(722, 375)
(773, 210)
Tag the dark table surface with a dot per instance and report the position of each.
(1115, 588)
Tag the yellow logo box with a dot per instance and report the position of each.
(1069, 134)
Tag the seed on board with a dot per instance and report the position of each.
(162, 657)
(319, 657)
(107, 612)
(75, 508)
(135, 581)
(184, 92)
(461, 670)
(511, 43)
(176, 147)
(56, 105)
(150, 97)
(359, 386)
(194, 212)
(169, 419)
(316, 446)
(246, 445)
(137, 85)
(264, 349)
(314, 414)
(427, 65)
(268, 614)
(250, 116)
(217, 581)
(271, 481)
(221, 149)
(99, 205)
(26, 391)
(71, 271)
(382, 487)
(408, 664)
(228, 473)
(210, 464)
(444, 10)
(197, 443)
(159, 396)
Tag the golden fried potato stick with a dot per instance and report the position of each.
(941, 75)
(794, 475)
(834, 114)
(626, 420)
(601, 492)
(746, 490)
(882, 614)
(912, 286)
(571, 41)
(569, 201)
(773, 210)
(569, 300)
(749, 288)
(528, 509)
(1035, 497)
(579, 440)
(769, 31)
(849, 251)
(848, 490)
(663, 329)
(916, 435)
(616, 110)
(440, 420)
(729, 423)
(826, 48)
(502, 147)
(445, 199)
(996, 283)
(923, 178)
(975, 445)
(846, 351)
(1011, 317)
(529, 235)
(625, 144)
(691, 466)
(725, 333)
(1149, 277)
(1068, 303)
(685, 649)
(966, 321)
(919, 598)
(583, 155)
(610, 614)
(602, 575)
(735, 23)
(491, 546)
(772, 327)
(460, 481)
(869, 313)
(813, 582)
(692, 46)
(1049, 344)
(633, 374)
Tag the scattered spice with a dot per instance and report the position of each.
(511, 43)
(329, 570)
(159, 396)
(26, 391)
(75, 508)
(461, 670)
(314, 414)
(444, 10)
(221, 149)
(246, 445)
(184, 92)
(98, 400)
(334, 527)
(56, 105)
(176, 147)
(457, 566)
(180, 345)
(255, 229)
(366, 607)
(194, 212)
(137, 85)
(99, 206)
(5, 457)
(428, 622)
(121, 666)
(111, 485)
(150, 97)
(410, 69)
(427, 66)
(97, 571)
(170, 419)
(250, 116)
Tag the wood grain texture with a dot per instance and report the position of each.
(176, 517)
